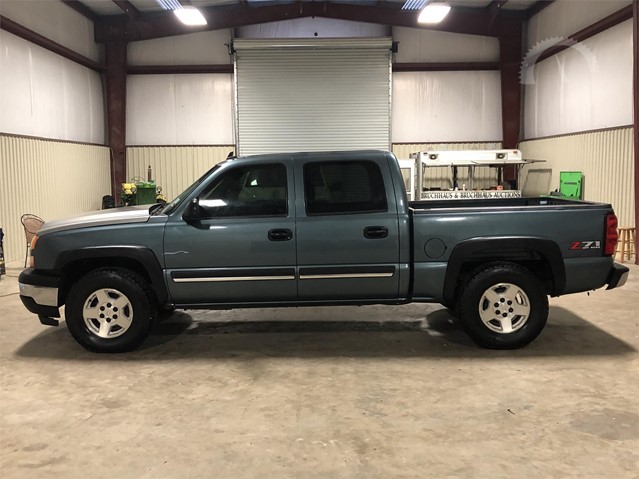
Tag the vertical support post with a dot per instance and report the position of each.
(510, 51)
(115, 55)
(635, 89)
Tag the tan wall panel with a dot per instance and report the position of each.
(604, 157)
(174, 167)
(442, 176)
(50, 179)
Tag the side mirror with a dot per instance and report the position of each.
(193, 211)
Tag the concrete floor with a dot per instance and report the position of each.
(368, 392)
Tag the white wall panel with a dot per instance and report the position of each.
(50, 179)
(446, 107)
(586, 87)
(56, 21)
(565, 17)
(174, 167)
(605, 157)
(193, 49)
(180, 109)
(313, 27)
(422, 45)
(43, 94)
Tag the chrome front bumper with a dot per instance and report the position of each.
(41, 295)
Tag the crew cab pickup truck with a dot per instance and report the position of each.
(318, 229)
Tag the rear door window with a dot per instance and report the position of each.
(344, 187)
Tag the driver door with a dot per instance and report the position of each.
(242, 249)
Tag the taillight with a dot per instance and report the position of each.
(611, 234)
(31, 248)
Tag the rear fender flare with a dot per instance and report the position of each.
(505, 248)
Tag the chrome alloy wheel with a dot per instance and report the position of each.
(504, 308)
(107, 313)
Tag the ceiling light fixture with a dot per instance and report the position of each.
(433, 13)
(414, 4)
(190, 16)
(169, 4)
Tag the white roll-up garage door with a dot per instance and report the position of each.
(312, 95)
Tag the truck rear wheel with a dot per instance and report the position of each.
(110, 310)
(503, 306)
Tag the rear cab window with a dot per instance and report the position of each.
(344, 187)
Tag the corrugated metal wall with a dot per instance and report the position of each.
(604, 157)
(50, 179)
(174, 167)
(441, 176)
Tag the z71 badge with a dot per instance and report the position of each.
(585, 245)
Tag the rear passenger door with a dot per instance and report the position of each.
(347, 230)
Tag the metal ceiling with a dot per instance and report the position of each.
(136, 20)
(108, 7)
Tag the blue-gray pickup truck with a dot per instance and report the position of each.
(318, 229)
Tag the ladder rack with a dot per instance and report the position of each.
(470, 159)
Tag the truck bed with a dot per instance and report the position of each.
(574, 230)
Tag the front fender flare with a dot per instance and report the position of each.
(140, 254)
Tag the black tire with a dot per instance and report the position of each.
(136, 317)
(504, 284)
(448, 305)
(165, 313)
(451, 310)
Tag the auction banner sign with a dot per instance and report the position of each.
(470, 195)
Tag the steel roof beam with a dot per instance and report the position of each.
(163, 24)
(493, 9)
(602, 25)
(81, 8)
(128, 8)
(20, 31)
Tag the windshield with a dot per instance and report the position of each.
(171, 206)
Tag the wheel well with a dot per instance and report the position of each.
(74, 270)
(537, 266)
(541, 256)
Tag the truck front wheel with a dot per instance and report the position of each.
(110, 310)
(503, 306)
